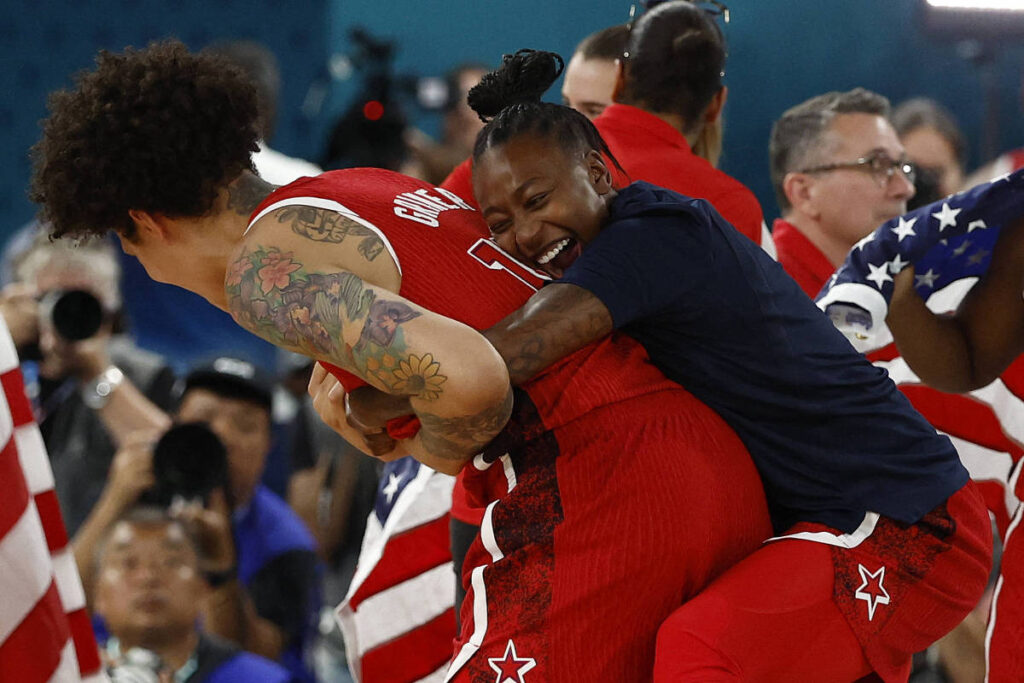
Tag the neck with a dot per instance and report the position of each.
(834, 249)
(227, 223)
(173, 650)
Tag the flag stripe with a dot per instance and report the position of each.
(34, 461)
(53, 522)
(82, 635)
(413, 656)
(32, 652)
(68, 584)
(405, 556)
(24, 570)
(419, 600)
(15, 493)
(67, 669)
(17, 400)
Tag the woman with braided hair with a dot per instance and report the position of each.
(882, 546)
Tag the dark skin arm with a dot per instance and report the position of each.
(555, 322)
(969, 349)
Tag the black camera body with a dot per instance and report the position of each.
(189, 462)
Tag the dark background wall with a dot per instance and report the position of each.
(781, 52)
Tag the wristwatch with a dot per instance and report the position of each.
(96, 393)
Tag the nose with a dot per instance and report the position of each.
(900, 186)
(528, 237)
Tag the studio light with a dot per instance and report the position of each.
(974, 19)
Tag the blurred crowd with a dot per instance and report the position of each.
(216, 521)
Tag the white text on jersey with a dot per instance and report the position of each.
(422, 207)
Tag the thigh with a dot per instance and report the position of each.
(771, 617)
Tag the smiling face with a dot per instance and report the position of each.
(542, 203)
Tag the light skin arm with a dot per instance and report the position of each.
(969, 349)
(338, 304)
(556, 321)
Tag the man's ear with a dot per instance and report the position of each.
(716, 105)
(799, 191)
(620, 80)
(151, 225)
(598, 173)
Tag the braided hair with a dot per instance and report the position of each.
(508, 101)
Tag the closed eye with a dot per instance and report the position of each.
(536, 200)
(499, 227)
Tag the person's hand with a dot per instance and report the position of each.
(211, 526)
(366, 430)
(131, 471)
(903, 283)
(20, 311)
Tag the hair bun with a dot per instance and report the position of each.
(522, 77)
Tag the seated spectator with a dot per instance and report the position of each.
(935, 145)
(149, 589)
(91, 393)
(264, 573)
(839, 171)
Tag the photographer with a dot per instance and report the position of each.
(257, 556)
(91, 387)
(149, 589)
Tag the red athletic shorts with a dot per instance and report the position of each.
(611, 523)
(1004, 642)
(798, 610)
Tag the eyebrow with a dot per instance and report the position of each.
(518, 192)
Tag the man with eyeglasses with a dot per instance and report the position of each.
(839, 171)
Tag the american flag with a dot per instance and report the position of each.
(45, 633)
(398, 619)
(950, 244)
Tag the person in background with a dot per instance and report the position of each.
(261, 66)
(89, 393)
(149, 589)
(935, 145)
(665, 124)
(262, 564)
(459, 127)
(839, 171)
(593, 71)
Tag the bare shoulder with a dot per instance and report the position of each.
(325, 238)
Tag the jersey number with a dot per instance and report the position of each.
(495, 258)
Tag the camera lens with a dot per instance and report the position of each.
(76, 314)
(189, 461)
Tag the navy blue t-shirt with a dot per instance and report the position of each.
(829, 433)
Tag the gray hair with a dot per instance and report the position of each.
(95, 259)
(799, 134)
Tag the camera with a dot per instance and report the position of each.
(189, 462)
(75, 313)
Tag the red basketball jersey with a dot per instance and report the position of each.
(434, 237)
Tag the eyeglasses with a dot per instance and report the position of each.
(880, 165)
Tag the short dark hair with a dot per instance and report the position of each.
(675, 61)
(921, 112)
(233, 378)
(798, 135)
(158, 129)
(508, 99)
(608, 43)
(258, 63)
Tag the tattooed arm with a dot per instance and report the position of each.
(556, 321)
(338, 305)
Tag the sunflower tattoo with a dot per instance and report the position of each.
(419, 376)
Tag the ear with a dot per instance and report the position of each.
(620, 80)
(597, 172)
(151, 225)
(799, 190)
(716, 105)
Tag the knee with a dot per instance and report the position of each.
(683, 653)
